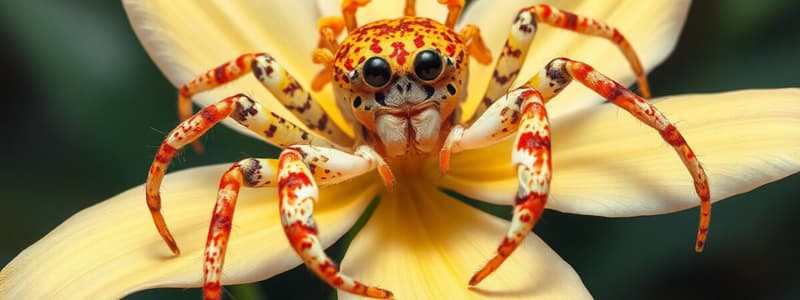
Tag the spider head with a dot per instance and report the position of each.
(401, 79)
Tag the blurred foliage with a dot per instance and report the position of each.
(86, 108)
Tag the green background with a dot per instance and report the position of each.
(85, 108)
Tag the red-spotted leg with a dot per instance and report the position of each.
(532, 142)
(500, 120)
(513, 112)
(521, 36)
(521, 111)
(249, 172)
(531, 159)
(563, 69)
(298, 192)
(329, 166)
(280, 84)
(275, 129)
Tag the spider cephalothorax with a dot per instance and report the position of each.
(399, 83)
(402, 79)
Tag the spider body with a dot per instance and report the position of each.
(399, 83)
(402, 79)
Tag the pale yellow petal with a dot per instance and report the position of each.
(422, 244)
(606, 163)
(186, 38)
(385, 9)
(652, 27)
(112, 249)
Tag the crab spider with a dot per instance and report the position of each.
(399, 83)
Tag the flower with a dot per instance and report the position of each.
(111, 249)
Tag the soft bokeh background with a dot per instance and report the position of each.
(84, 109)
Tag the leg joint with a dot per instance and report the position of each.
(262, 66)
(557, 74)
(246, 107)
(525, 20)
(255, 173)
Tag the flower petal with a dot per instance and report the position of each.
(652, 27)
(606, 163)
(112, 249)
(422, 244)
(186, 38)
(382, 9)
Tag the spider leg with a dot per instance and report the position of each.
(521, 36)
(500, 120)
(329, 29)
(249, 172)
(476, 47)
(280, 84)
(410, 9)
(329, 166)
(454, 8)
(272, 127)
(349, 8)
(522, 111)
(560, 71)
(532, 155)
(298, 192)
(532, 160)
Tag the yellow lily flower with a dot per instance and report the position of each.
(420, 242)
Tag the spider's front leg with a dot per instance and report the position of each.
(297, 192)
(282, 85)
(521, 111)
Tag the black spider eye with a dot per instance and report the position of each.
(428, 65)
(377, 72)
